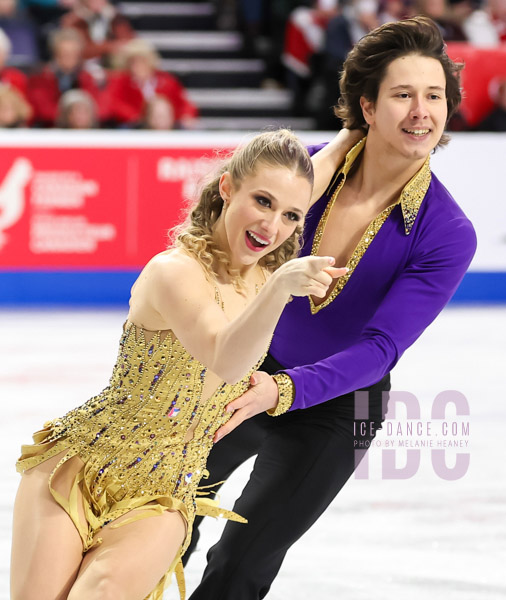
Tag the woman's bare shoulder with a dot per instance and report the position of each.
(170, 282)
(174, 266)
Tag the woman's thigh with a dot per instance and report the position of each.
(130, 560)
(46, 546)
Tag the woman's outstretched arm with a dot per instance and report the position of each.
(178, 292)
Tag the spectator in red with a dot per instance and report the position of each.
(139, 81)
(65, 72)
(8, 75)
(104, 30)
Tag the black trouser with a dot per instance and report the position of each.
(304, 459)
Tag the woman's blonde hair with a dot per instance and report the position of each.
(136, 48)
(280, 148)
(15, 100)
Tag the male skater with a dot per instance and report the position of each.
(407, 245)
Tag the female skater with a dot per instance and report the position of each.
(201, 317)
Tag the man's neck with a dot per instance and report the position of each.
(381, 177)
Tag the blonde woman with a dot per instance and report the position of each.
(139, 80)
(108, 493)
(14, 109)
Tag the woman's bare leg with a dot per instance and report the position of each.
(131, 560)
(46, 546)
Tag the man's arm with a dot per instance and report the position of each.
(415, 299)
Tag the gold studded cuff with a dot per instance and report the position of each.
(286, 391)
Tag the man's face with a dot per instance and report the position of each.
(410, 113)
(67, 55)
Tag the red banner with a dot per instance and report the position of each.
(93, 207)
(484, 69)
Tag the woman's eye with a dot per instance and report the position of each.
(292, 216)
(263, 201)
(403, 95)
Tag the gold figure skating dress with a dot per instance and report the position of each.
(131, 439)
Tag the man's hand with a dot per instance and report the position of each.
(261, 396)
(328, 159)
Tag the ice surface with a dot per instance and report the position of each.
(412, 539)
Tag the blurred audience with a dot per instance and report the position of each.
(226, 14)
(486, 26)
(394, 10)
(64, 72)
(304, 35)
(315, 46)
(103, 28)
(140, 81)
(9, 75)
(46, 14)
(304, 39)
(21, 32)
(100, 74)
(159, 114)
(448, 21)
(77, 110)
(496, 120)
(14, 109)
(352, 22)
(250, 19)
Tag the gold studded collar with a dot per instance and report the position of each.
(412, 194)
(410, 200)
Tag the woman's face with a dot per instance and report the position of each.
(8, 113)
(262, 212)
(140, 67)
(80, 116)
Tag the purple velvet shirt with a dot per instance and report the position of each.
(396, 288)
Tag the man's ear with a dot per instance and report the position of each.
(368, 109)
(226, 186)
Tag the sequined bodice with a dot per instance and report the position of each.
(132, 435)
